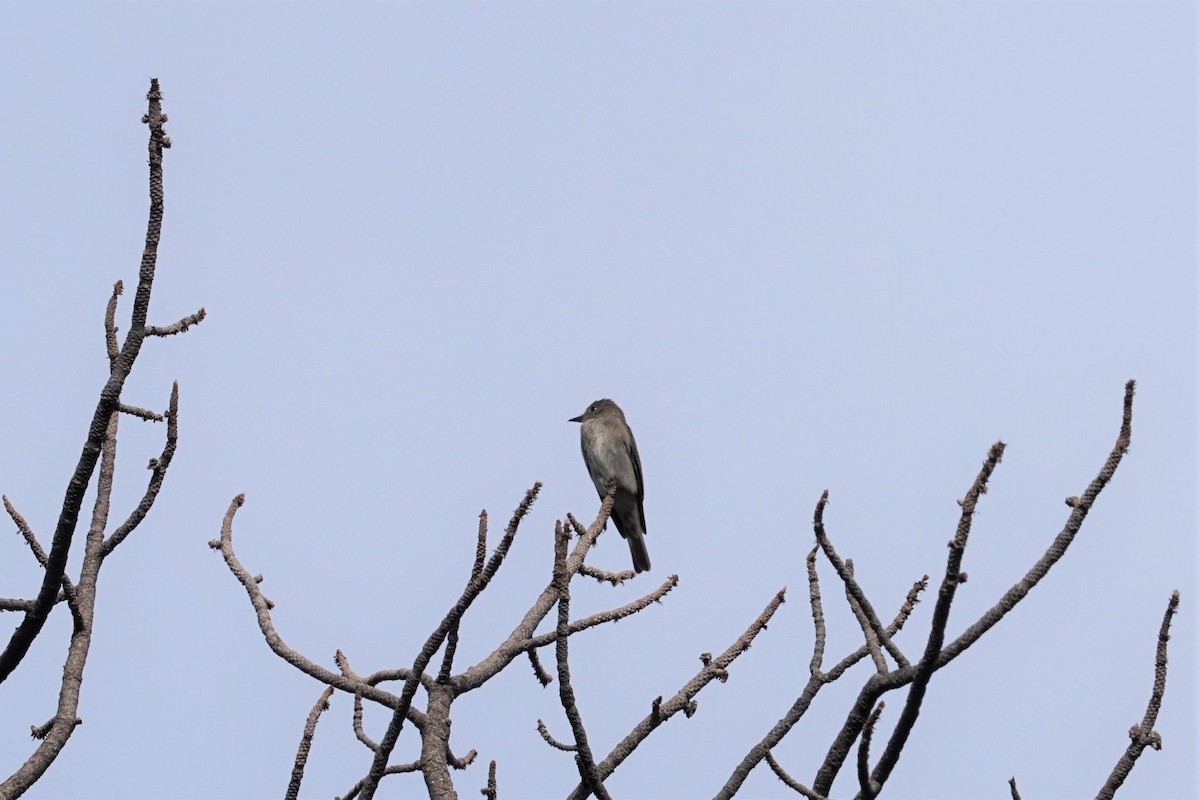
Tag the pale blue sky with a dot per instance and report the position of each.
(805, 246)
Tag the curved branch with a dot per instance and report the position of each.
(1143, 735)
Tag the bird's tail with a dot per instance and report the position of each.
(637, 549)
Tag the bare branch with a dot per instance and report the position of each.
(19, 604)
(814, 601)
(519, 640)
(607, 616)
(476, 571)
(346, 682)
(158, 473)
(604, 576)
(476, 586)
(801, 705)
(68, 586)
(490, 791)
(110, 324)
(310, 727)
(789, 781)
(1143, 735)
(1012, 788)
(64, 531)
(941, 616)
(176, 327)
(394, 769)
(57, 731)
(867, 790)
(357, 721)
(539, 671)
(1079, 511)
(864, 623)
(852, 586)
(566, 694)
(684, 698)
(141, 413)
(461, 763)
(550, 740)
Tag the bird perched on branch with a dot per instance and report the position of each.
(611, 456)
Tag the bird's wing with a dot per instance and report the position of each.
(641, 484)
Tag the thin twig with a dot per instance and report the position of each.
(519, 640)
(1079, 511)
(476, 570)
(176, 327)
(490, 791)
(566, 694)
(310, 727)
(346, 682)
(140, 413)
(549, 739)
(941, 617)
(388, 743)
(539, 672)
(814, 601)
(867, 790)
(158, 473)
(864, 624)
(684, 699)
(110, 324)
(802, 703)
(611, 615)
(789, 781)
(852, 586)
(1143, 734)
(60, 545)
(68, 586)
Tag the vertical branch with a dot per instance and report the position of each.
(476, 569)
(941, 617)
(1143, 735)
(60, 728)
(866, 789)
(68, 518)
(310, 728)
(584, 760)
(476, 586)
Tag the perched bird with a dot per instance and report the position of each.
(611, 456)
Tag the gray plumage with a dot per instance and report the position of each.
(611, 456)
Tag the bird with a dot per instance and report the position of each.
(611, 456)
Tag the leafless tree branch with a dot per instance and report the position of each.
(816, 681)
(684, 699)
(550, 740)
(347, 681)
(176, 327)
(99, 458)
(852, 588)
(789, 781)
(474, 588)
(56, 562)
(1143, 735)
(866, 789)
(158, 472)
(35, 547)
(566, 694)
(140, 413)
(490, 790)
(310, 728)
(539, 671)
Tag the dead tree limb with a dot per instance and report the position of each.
(97, 459)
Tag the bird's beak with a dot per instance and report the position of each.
(576, 419)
